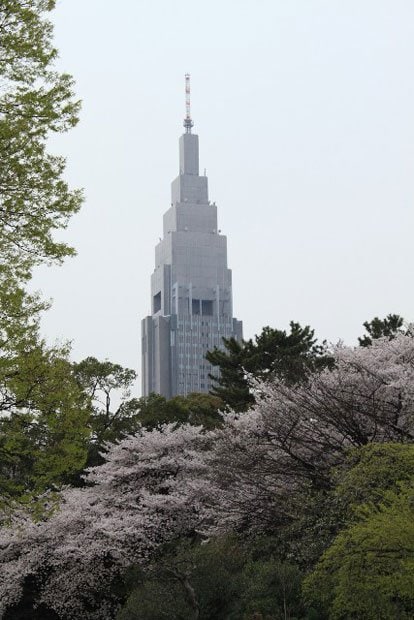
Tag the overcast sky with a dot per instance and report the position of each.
(304, 110)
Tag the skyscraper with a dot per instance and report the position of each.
(191, 290)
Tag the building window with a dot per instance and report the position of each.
(157, 302)
(207, 307)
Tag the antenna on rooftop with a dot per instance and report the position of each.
(188, 123)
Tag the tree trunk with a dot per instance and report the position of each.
(191, 596)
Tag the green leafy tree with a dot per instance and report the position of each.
(43, 437)
(374, 482)
(274, 352)
(190, 581)
(368, 572)
(379, 328)
(366, 475)
(200, 409)
(372, 470)
(195, 408)
(35, 102)
(43, 412)
(220, 579)
(43, 417)
(114, 414)
(271, 590)
(231, 384)
(105, 383)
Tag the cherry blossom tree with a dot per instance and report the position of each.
(295, 435)
(144, 495)
(248, 475)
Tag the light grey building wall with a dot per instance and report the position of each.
(191, 288)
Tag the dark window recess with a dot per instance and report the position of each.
(206, 307)
(157, 302)
(196, 306)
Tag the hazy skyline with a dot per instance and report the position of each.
(304, 112)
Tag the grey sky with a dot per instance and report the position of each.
(304, 110)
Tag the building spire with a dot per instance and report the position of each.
(188, 122)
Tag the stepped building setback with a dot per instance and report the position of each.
(191, 290)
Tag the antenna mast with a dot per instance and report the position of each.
(188, 123)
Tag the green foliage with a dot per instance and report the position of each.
(288, 356)
(217, 579)
(231, 385)
(35, 101)
(43, 439)
(43, 422)
(272, 591)
(101, 382)
(228, 578)
(372, 470)
(196, 408)
(190, 581)
(19, 319)
(319, 515)
(364, 573)
(379, 328)
(368, 572)
(105, 383)
(156, 600)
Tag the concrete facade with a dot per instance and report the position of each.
(191, 289)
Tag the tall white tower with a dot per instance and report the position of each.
(191, 291)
